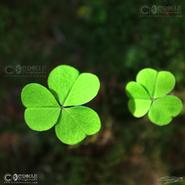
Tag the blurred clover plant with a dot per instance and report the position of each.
(149, 94)
(60, 106)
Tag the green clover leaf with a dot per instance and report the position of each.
(61, 104)
(149, 94)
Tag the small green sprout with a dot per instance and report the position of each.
(61, 104)
(149, 94)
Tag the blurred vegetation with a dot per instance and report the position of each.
(109, 38)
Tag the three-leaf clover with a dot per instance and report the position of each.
(61, 104)
(149, 94)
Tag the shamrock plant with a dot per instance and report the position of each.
(60, 105)
(149, 95)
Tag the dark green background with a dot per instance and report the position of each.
(113, 39)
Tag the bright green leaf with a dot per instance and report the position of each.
(35, 95)
(139, 107)
(84, 89)
(164, 109)
(139, 103)
(147, 78)
(41, 119)
(75, 123)
(39, 102)
(164, 84)
(73, 88)
(61, 80)
(136, 91)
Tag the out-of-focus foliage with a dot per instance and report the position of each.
(106, 37)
